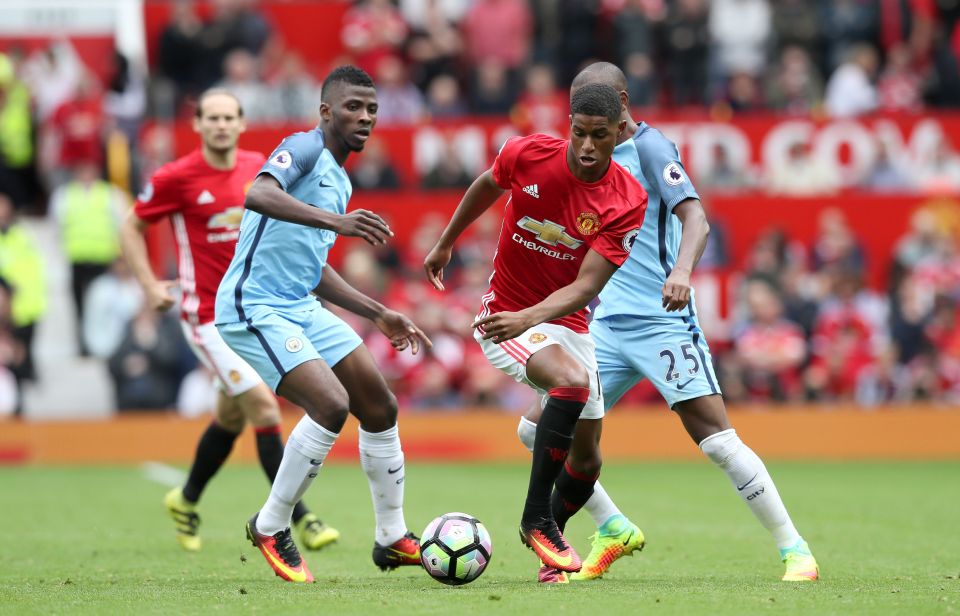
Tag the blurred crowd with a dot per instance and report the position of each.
(74, 145)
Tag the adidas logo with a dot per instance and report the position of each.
(532, 190)
(205, 198)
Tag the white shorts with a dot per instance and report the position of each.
(511, 357)
(234, 376)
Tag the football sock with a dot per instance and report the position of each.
(551, 446)
(573, 489)
(601, 507)
(382, 460)
(270, 452)
(212, 450)
(306, 449)
(752, 483)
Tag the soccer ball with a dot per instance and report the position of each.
(455, 548)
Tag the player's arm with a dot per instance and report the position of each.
(676, 289)
(483, 193)
(268, 198)
(594, 274)
(397, 327)
(134, 245)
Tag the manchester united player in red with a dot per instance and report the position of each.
(202, 194)
(568, 226)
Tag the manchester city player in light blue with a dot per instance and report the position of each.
(646, 328)
(267, 311)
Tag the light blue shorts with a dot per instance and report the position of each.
(669, 351)
(275, 343)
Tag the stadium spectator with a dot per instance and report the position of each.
(498, 30)
(52, 75)
(435, 43)
(242, 77)
(803, 174)
(235, 25)
(373, 170)
(146, 365)
(940, 174)
(886, 173)
(373, 30)
(88, 212)
(448, 171)
(850, 89)
(113, 299)
(181, 53)
(836, 246)
(443, 98)
(74, 134)
(24, 274)
(723, 174)
(739, 32)
(400, 102)
(125, 100)
(921, 242)
(541, 106)
(491, 91)
(900, 87)
(687, 43)
(580, 24)
(845, 25)
(797, 25)
(770, 349)
(794, 86)
(295, 91)
(10, 351)
(16, 136)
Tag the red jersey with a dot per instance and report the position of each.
(552, 219)
(205, 206)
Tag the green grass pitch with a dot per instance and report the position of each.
(97, 541)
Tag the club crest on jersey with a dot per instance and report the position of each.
(588, 223)
(630, 238)
(672, 174)
(549, 232)
(537, 338)
(293, 344)
(282, 159)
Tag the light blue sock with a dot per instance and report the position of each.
(614, 525)
(800, 546)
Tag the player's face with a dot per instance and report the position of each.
(352, 114)
(220, 123)
(592, 139)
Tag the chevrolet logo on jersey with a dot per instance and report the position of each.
(549, 232)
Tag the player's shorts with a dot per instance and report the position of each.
(669, 351)
(511, 357)
(275, 343)
(234, 376)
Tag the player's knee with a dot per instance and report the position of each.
(586, 465)
(260, 407)
(572, 376)
(380, 414)
(230, 418)
(527, 432)
(330, 412)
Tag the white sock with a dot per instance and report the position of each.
(306, 449)
(752, 482)
(382, 460)
(600, 506)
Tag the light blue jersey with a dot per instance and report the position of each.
(636, 288)
(636, 337)
(278, 263)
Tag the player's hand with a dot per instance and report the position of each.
(676, 290)
(503, 326)
(364, 224)
(434, 264)
(401, 331)
(159, 297)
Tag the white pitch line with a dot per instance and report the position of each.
(164, 474)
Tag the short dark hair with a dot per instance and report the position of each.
(216, 92)
(348, 74)
(596, 99)
(600, 72)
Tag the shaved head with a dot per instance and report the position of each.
(600, 72)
